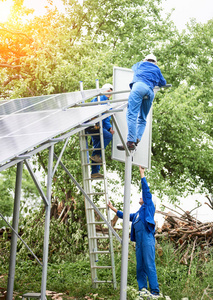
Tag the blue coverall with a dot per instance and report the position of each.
(106, 135)
(146, 76)
(142, 232)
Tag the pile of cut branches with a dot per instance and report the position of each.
(187, 233)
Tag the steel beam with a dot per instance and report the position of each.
(25, 244)
(13, 248)
(90, 201)
(120, 135)
(37, 183)
(47, 224)
(125, 237)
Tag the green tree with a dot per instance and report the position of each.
(29, 197)
(6, 202)
(59, 50)
(52, 53)
(182, 122)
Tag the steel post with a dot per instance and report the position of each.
(16, 209)
(47, 224)
(125, 237)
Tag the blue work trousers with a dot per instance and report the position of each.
(138, 109)
(145, 257)
(97, 144)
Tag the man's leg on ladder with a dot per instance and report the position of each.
(144, 110)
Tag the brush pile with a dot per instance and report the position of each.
(187, 233)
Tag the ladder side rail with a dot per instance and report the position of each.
(107, 198)
(90, 214)
(90, 218)
(93, 205)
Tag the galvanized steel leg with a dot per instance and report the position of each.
(16, 209)
(47, 224)
(125, 237)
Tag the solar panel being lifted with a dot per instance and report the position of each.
(29, 122)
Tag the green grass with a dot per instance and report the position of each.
(73, 278)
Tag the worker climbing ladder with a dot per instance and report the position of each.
(100, 244)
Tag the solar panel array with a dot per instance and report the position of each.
(48, 102)
(28, 122)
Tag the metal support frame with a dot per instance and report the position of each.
(90, 201)
(37, 183)
(125, 237)
(16, 233)
(120, 135)
(13, 249)
(47, 224)
(47, 201)
(102, 102)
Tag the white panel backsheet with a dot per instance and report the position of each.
(121, 79)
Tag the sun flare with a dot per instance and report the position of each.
(5, 10)
(39, 6)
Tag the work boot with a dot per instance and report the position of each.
(96, 158)
(97, 175)
(137, 142)
(130, 145)
(145, 294)
(156, 296)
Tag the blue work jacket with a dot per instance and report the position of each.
(148, 73)
(106, 122)
(146, 211)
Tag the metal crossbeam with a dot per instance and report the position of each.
(89, 200)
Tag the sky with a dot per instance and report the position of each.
(202, 11)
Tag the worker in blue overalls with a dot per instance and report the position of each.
(142, 232)
(146, 76)
(107, 135)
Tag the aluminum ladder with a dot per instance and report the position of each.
(94, 239)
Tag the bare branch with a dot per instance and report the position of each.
(10, 79)
(16, 32)
(193, 249)
(9, 66)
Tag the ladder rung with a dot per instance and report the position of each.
(94, 178)
(100, 237)
(96, 193)
(101, 267)
(100, 252)
(102, 281)
(92, 164)
(95, 235)
(31, 295)
(89, 134)
(91, 149)
(101, 207)
(90, 223)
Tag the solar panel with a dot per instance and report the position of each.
(48, 102)
(28, 122)
(22, 132)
